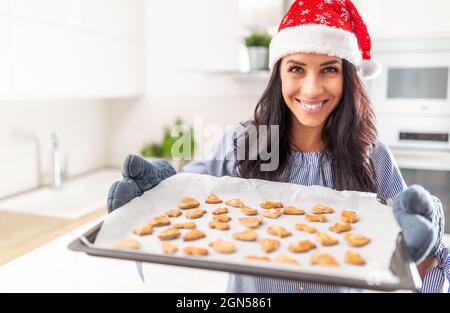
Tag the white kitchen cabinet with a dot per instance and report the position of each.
(4, 7)
(5, 51)
(53, 62)
(116, 18)
(77, 49)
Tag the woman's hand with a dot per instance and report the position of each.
(139, 176)
(421, 219)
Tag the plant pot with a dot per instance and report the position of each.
(176, 164)
(258, 58)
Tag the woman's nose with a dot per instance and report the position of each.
(312, 87)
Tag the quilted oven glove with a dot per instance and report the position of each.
(421, 219)
(139, 176)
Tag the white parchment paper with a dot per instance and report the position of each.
(376, 222)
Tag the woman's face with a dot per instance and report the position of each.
(312, 86)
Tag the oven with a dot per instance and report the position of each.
(415, 78)
(428, 168)
(411, 100)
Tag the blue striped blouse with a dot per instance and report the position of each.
(303, 169)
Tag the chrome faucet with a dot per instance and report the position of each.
(58, 171)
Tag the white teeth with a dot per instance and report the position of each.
(312, 106)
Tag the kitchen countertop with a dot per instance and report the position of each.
(79, 195)
(21, 233)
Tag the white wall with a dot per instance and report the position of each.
(25, 143)
(86, 50)
(387, 19)
(5, 51)
(184, 40)
(143, 122)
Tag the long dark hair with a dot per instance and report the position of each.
(349, 135)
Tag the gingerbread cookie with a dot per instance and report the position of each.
(257, 258)
(126, 244)
(168, 248)
(213, 199)
(169, 234)
(235, 203)
(321, 209)
(251, 222)
(143, 230)
(326, 240)
(340, 227)
(159, 221)
(356, 240)
(290, 210)
(194, 235)
(219, 225)
(269, 245)
(305, 228)
(188, 203)
(316, 218)
(246, 235)
(349, 216)
(354, 258)
(271, 205)
(319, 258)
(223, 246)
(197, 213)
(195, 251)
(272, 213)
(301, 246)
(222, 218)
(174, 213)
(220, 211)
(248, 211)
(187, 225)
(278, 231)
(283, 258)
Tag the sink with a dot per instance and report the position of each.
(77, 197)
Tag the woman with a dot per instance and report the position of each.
(326, 135)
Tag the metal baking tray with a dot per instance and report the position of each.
(401, 265)
(395, 269)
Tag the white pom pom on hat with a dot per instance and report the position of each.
(331, 27)
(371, 69)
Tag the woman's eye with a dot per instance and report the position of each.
(331, 70)
(295, 69)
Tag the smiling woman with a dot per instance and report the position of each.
(312, 88)
(320, 104)
(316, 107)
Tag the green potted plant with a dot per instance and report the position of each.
(258, 49)
(178, 149)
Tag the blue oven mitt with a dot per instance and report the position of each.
(421, 219)
(139, 176)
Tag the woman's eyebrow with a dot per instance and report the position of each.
(295, 62)
(330, 62)
(323, 64)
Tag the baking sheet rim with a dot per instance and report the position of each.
(410, 281)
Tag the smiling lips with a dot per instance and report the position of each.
(311, 107)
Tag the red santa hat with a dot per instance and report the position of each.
(331, 27)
